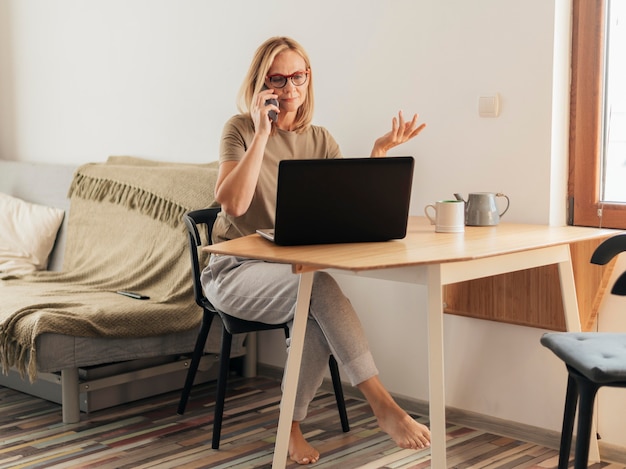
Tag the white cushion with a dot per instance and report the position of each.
(27, 234)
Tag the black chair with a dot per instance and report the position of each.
(593, 360)
(230, 326)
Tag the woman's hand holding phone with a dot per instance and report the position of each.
(273, 115)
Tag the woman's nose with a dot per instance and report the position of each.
(289, 86)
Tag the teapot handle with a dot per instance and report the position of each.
(508, 202)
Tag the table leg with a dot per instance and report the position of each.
(572, 324)
(292, 371)
(436, 375)
(568, 293)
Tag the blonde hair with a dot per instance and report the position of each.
(255, 78)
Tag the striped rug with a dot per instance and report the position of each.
(149, 434)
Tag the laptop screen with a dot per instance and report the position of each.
(343, 200)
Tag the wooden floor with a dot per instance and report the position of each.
(149, 434)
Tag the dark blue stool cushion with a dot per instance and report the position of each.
(599, 356)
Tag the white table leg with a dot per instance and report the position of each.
(568, 293)
(292, 371)
(436, 381)
(572, 324)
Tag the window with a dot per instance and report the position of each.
(613, 186)
(597, 179)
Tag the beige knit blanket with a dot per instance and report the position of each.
(125, 232)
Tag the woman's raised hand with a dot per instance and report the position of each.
(401, 132)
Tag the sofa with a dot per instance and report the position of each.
(110, 363)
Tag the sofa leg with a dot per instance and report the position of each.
(70, 396)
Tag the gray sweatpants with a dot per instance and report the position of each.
(263, 291)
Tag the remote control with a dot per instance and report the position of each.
(131, 294)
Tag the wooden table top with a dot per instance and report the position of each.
(421, 246)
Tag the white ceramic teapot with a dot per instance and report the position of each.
(481, 208)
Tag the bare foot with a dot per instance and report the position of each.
(406, 432)
(300, 450)
(392, 419)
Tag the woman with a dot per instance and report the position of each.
(251, 147)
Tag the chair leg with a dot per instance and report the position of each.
(341, 403)
(227, 339)
(571, 401)
(207, 318)
(587, 391)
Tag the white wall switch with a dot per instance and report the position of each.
(489, 105)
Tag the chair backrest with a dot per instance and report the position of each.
(232, 324)
(607, 250)
(207, 217)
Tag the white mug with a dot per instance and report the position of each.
(449, 216)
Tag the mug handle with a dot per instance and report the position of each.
(432, 220)
(508, 202)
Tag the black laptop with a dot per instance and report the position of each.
(345, 200)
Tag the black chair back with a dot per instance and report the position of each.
(606, 251)
(205, 217)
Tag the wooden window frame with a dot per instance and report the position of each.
(588, 35)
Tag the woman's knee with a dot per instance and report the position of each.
(325, 284)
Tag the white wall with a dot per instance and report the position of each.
(83, 80)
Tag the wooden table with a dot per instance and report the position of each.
(424, 258)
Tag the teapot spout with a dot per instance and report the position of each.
(458, 197)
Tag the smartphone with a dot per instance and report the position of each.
(130, 294)
(273, 114)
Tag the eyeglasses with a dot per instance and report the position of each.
(279, 81)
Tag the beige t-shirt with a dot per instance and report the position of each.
(315, 142)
